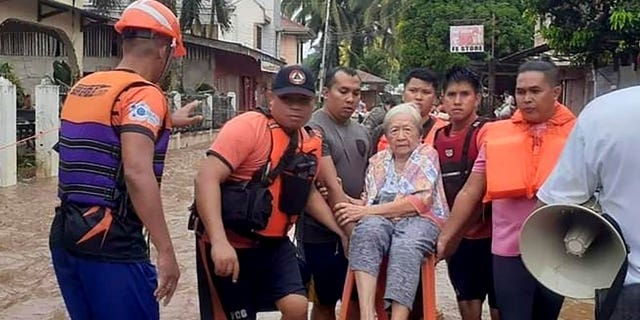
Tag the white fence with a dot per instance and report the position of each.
(47, 122)
(215, 109)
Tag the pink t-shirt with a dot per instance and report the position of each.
(508, 215)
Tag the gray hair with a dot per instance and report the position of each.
(408, 108)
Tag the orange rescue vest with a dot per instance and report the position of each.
(309, 142)
(519, 161)
(89, 143)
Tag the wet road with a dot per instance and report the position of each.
(28, 289)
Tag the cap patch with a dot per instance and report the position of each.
(297, 77)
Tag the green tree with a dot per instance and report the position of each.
(104, 5)
(221, 11)
(590, 32)
(7, 72)
(376, 59)
(356, 27)
(423, 31)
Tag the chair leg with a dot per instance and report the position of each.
(349, 281)
(429, 289)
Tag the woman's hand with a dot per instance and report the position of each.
(346, 213)
(357, 202)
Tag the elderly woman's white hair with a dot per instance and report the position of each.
(408, 108)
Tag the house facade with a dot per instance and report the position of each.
(293, 37)
(35, 33)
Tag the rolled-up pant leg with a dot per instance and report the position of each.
(369, 244)
(412, 239)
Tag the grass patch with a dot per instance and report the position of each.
(26, 167)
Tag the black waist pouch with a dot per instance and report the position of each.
(296, 183)
(246, 208)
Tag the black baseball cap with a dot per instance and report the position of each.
(294, 79)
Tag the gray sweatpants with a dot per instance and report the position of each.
(406, 242)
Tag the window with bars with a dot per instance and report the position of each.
(33, 44)
(258, 37)
(101, 41)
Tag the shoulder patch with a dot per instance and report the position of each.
(141, 112)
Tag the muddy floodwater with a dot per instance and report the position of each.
(28, 288)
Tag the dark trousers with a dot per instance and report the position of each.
(519, 295)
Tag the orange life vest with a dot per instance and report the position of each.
(89, 144)
(309, 142)
(427, 137)
(518, 161)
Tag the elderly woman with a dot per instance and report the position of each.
(405, 207)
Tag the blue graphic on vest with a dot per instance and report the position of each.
(141, 112)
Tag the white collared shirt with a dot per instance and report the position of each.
(604, 151)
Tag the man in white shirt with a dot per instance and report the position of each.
(602, 152)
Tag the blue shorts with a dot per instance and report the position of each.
(106, 290)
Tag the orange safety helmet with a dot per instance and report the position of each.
(156, 17)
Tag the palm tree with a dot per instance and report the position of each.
(189, 16)
(354, 24)
(221, 11)
(384, 15)
(189, 12)
(106, 5)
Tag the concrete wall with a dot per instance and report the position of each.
(94, 64)
(609, 80)
(68, 23)
(31, 70)
(185, 140)
(579, 87)
(76, 3)
(196, 72)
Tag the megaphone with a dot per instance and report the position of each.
(572, 249)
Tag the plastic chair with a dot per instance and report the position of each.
(428, 278)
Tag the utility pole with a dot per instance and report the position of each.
(324, 47)
(492, 62)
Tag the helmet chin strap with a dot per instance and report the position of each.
(167, 63)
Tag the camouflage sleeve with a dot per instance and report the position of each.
(374, 118)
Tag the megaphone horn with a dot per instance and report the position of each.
(572, 249)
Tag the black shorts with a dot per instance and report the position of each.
(471, 271)
(326, 264)
(268, 273)
(520, 296)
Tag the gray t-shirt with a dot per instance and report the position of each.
(349, 146)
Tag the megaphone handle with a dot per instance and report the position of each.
(607, 299)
